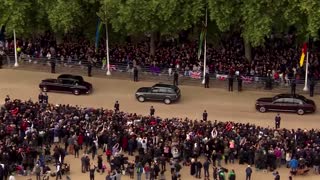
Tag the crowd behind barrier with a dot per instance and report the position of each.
(29, 130)
(278, 79)
(279, 55)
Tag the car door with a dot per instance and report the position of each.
(155, 94)
(277, 105)
(67, 85)
(299, 104)
(289, 105)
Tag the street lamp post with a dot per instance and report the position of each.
(16, 64)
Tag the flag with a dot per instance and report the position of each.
(202, 36)
(99, 27)
(303, 54)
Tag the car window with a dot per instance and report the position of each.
(297, 101)
(171, 91)
(278, 101)
(288, 100)
(162, 90)
(65, 81)
(155, 90)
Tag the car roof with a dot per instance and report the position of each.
(162, 85)
(70, 76)
(290, 96)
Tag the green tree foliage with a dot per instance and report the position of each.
(19, 15)
(164, 16)
(254, 19)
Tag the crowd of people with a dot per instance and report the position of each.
(279, 55)
(35, 134)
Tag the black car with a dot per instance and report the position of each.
(159, 92)
(286, 102)
(66, 83)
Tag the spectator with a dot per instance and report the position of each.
(248, 172)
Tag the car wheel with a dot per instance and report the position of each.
(300, 111)
(141, 99)
(167, 101)
(44, 89)
(262, 109)
(76, 92)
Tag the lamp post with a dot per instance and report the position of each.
(107, 48)
(205, 48)
(16, 64)
(306, 76)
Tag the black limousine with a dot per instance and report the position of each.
(66, 83)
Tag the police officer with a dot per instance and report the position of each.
(53, 65)
(135, 74)
(312, 84)
(40, 98)
(293, 87)
(175, 78)
(239, 84)
(89, 68)
(117, 106)
(277, 121)
(205, 115)
(152, 111)
(206, 80)
(45, 98)
(230, 79)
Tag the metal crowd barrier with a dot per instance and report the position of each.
(123, 67)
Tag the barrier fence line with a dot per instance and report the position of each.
(156, 71)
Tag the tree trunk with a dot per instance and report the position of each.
(248, 49)
(152, 45)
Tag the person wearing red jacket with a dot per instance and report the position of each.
(80, 140)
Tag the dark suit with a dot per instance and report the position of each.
(312, 84)
(239, 84)
(175, 78)
(53, 66)
(293, 87)
(40, 98)
(135, 74)
(89, 69)
(230, 86)
(206, 80)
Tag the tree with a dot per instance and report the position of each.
(17, 15)
(254, 19)
(156, 16)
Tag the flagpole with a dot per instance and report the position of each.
(16, 64)
(205, 48)
(306, 76)
(107, 48)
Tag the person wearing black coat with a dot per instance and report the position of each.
(193, 169)
(175, 78)
(135, 74)
(89, 68)
(53, 66)
(205, 115)
(293, 87)
(230, 83)
(40, 98)
(206, 80)
(198, 169)
(311, 88)
(117, 106)
(239, 84)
